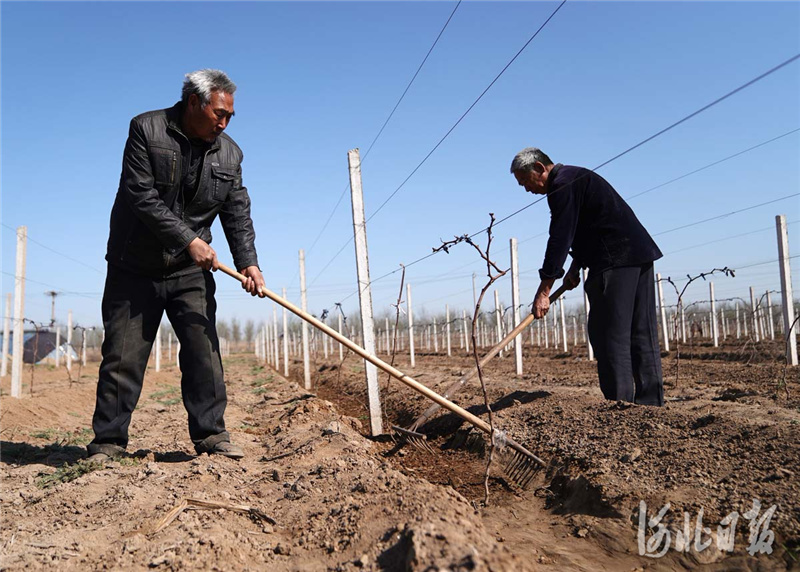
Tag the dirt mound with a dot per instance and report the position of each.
(335, 502)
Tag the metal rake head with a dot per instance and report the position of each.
(520, 468)
(418, 440)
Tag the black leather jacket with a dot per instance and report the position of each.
(151, 226)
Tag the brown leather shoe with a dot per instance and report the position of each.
(227, 449)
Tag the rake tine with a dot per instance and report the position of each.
(418, 440)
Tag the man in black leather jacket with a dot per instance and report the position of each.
(179, 171)
(591, 219)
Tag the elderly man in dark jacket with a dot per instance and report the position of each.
(591, 219)
(179, 171)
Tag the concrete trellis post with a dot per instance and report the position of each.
(69, 340)
(543, 321)
(515, 303)
(789, 332)
(498, 312)
(713, 317)
(447, 333)
(574, 331)
(341, 331)
(770, 323)
(364, 290)
(19, 313)
(663, 312)
(158, 348)
(563, 326)
(586, 309)
(435, 337)
(738, 326)
(410, 324)
(178, 354)
(83, 346)
(755, 314)
(276, 340)
(7, 335)
(464, 330)
(58, 347)
(386, 336)
(304, 324)
(285, 338)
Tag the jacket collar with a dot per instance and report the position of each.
(552, 175)
(174, 115)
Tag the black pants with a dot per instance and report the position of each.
(624, 334)
(133, 306)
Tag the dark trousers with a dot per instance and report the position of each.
(133, 306)
(624, 334)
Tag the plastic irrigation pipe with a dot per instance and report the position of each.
(394, 372)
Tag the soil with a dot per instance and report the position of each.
(326, 496)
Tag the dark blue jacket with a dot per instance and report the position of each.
(588, 216)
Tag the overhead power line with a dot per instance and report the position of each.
(445, 136)
(55, 251)
(385, 123)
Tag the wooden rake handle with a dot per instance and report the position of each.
(460, 382)
(394, 372)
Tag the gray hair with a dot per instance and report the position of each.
(525, 159)
(203, 82)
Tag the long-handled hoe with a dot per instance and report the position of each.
(521, 465)
(420, 439)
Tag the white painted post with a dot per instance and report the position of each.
(464, 330)
(7, 335)
(515, 317)
(543, 321)
(738, 326)
(755, 314)
(435, 337)
(498, 312)
(364, 289)
(19, 313)
(770, 322)
(58, 346)
(663, 312)
(304, 324)
(285, 338)
(69, 340)
(714, 327)
(447, 317)
(83, 346)
(574, 331)
(178, 354)
(158, 348)
(341, 331)
(586, 310)
(410, 324)
(276, 338)
(386, 336)
(790, 333)
(563, 326)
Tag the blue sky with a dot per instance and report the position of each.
(318, 79)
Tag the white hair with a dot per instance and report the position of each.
(203, 82)
(525, 159)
